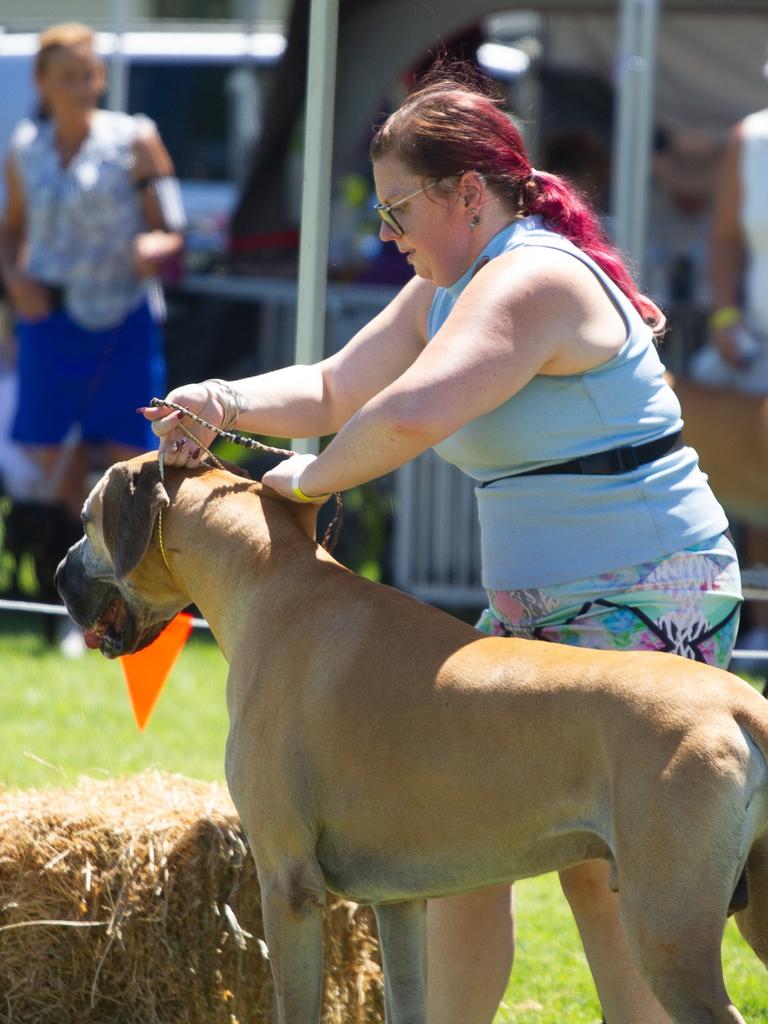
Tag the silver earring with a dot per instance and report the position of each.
(475, 219)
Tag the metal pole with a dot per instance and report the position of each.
(316, 195)
(117, 95)
(633, 125)
(249, 11)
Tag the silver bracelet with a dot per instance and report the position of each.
(228, 397)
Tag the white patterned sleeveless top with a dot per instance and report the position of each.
(82, 218)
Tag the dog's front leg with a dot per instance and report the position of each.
(403, 940)
(292, 911)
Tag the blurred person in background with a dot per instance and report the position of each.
(92, 214)
(583, 158)
(684, 172)
(736, 355)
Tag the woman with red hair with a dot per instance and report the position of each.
(523, 352)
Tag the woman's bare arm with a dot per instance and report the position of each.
(509, 324)
(29, 298)
(314, 400)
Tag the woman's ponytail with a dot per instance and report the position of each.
(563, 210)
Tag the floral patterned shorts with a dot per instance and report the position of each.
(687, 603)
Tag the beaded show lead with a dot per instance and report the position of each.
(332, 533)
(246, 442)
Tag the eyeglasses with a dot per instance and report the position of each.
(384, 210)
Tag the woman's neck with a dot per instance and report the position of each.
(71, 132)
(494, 215)
(493, 219)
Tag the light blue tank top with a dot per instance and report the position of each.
(545, 530)
(82, 218)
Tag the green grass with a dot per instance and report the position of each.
(551, 982)
(64, 719)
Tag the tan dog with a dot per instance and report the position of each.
(380, 749)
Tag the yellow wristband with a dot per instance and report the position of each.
(298, 491)
(726, 316)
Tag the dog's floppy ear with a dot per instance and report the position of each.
(131, 501)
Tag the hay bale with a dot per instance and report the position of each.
(136, 902)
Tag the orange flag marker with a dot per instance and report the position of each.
(147, 670)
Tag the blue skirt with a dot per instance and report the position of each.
(69, 375)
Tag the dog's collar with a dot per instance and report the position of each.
(161, 467)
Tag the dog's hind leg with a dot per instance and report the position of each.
(753, 921)
(674, 927)
(687, 979)
(292, 902)
(403, 939)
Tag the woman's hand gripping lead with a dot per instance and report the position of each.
(177, 447)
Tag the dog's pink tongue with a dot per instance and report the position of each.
(91, 638)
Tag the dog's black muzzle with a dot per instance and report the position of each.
(85, 598)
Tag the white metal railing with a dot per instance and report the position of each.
(436, 534)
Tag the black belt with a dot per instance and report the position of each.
(607, 463)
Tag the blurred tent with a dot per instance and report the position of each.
(703, 65)
(709, 57)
